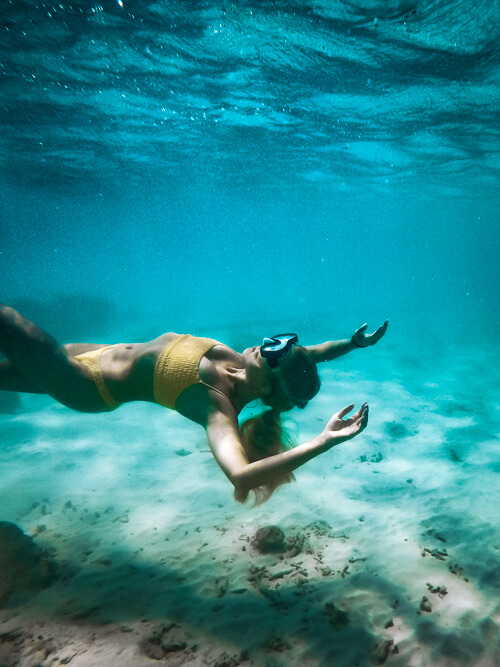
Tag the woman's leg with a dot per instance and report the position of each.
(44, 363)
(12, 380)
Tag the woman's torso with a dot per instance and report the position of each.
(128, 370)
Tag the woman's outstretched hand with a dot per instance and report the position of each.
(339, 429)
(362, 339)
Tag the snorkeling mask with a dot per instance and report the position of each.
(275, 348)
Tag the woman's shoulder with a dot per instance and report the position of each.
(223, 352)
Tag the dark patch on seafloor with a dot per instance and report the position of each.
(398, 430)
(24, 568)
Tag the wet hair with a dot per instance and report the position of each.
(294, 383)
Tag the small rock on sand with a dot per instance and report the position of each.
(270, 539)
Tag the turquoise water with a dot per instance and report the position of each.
(290, 161)
(233, 170)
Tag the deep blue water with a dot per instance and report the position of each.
(187, 165)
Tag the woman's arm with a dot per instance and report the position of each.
(226, 446)
(336, 348)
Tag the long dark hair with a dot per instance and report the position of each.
(295, 382)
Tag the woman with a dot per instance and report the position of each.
(202, 379)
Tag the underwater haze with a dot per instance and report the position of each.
(233, 169)
(196, 161)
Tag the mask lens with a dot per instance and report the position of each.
(275, 343)
(277, 347)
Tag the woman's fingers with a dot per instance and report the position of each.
(362, 417)
(359, 413)
(362, 413)
(361, 329)
(342, 413)
(380, 332)
(353, 425)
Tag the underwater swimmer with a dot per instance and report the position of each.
(204, 380)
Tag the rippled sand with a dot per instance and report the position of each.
(390, 548)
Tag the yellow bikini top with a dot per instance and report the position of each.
(177, 367)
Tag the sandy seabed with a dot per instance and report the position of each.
(389, 550)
